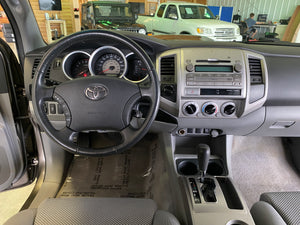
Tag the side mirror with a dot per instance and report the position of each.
(173, 16)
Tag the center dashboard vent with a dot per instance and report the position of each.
(34, 67)
(167, 67)
(168, 76)
(255, 71)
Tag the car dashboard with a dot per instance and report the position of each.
(207, 88)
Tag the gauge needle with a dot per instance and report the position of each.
(105, 70)
(110, 68)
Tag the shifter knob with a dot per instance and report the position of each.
(203, 153)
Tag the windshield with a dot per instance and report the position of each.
(235, 21)
(195, 12)
(112, 11)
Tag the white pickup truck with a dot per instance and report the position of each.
(189, 18)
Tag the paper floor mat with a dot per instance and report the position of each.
(129, 174)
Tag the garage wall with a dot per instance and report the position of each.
(66, 14)
(276, 9)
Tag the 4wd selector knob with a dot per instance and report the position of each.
(190, 108)
(209, 109)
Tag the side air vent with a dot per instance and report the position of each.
(34, 67)
(255, 71)
(167, 74)
(257, 86)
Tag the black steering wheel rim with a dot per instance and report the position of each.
(41, 93)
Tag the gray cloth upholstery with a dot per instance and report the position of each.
(264, 214)
(93, 211)
(164, 218)
(25, 217)
(285, 204)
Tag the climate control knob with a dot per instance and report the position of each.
(228, 109)
(190, 108)
(210, 109)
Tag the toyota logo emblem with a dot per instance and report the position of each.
(96, 92)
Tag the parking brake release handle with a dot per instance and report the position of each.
(203, 153)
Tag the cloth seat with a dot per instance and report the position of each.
(93, 211)
(277, 208)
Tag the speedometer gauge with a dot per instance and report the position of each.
(110, 64)
(108, 61)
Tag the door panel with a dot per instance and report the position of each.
(12, 163)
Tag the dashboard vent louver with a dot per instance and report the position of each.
(255, 71)
(34, 67)
(168, 85)
(167, 66)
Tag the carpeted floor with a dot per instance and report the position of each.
(259, 164)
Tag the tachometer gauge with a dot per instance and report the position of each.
(108, 61)
(75, 65)
(80, 68)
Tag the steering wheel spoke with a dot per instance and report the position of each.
(147, 92)
(46, 93)
(67, 134)
(128, 133)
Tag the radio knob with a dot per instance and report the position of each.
(190, 68)
(238, 68)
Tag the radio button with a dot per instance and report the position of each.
(192, 91)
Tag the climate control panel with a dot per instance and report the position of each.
(215, 109)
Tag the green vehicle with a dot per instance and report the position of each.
(111, 16)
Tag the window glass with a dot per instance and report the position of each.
(160, 11)
(171, 11)
(6, 32)
(195, 12)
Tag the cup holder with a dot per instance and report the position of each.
(187, 168)
(215, 168)
(236, 222)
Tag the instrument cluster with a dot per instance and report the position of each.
(104, 61)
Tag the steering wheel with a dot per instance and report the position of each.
(95, 103)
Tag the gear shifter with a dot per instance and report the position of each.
(203, 152)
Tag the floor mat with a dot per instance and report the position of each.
(138, 173)
(259, 165)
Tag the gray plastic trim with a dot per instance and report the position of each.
(11, 156)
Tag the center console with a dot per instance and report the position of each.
(207, 191)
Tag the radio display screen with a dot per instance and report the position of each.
(216, 68)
